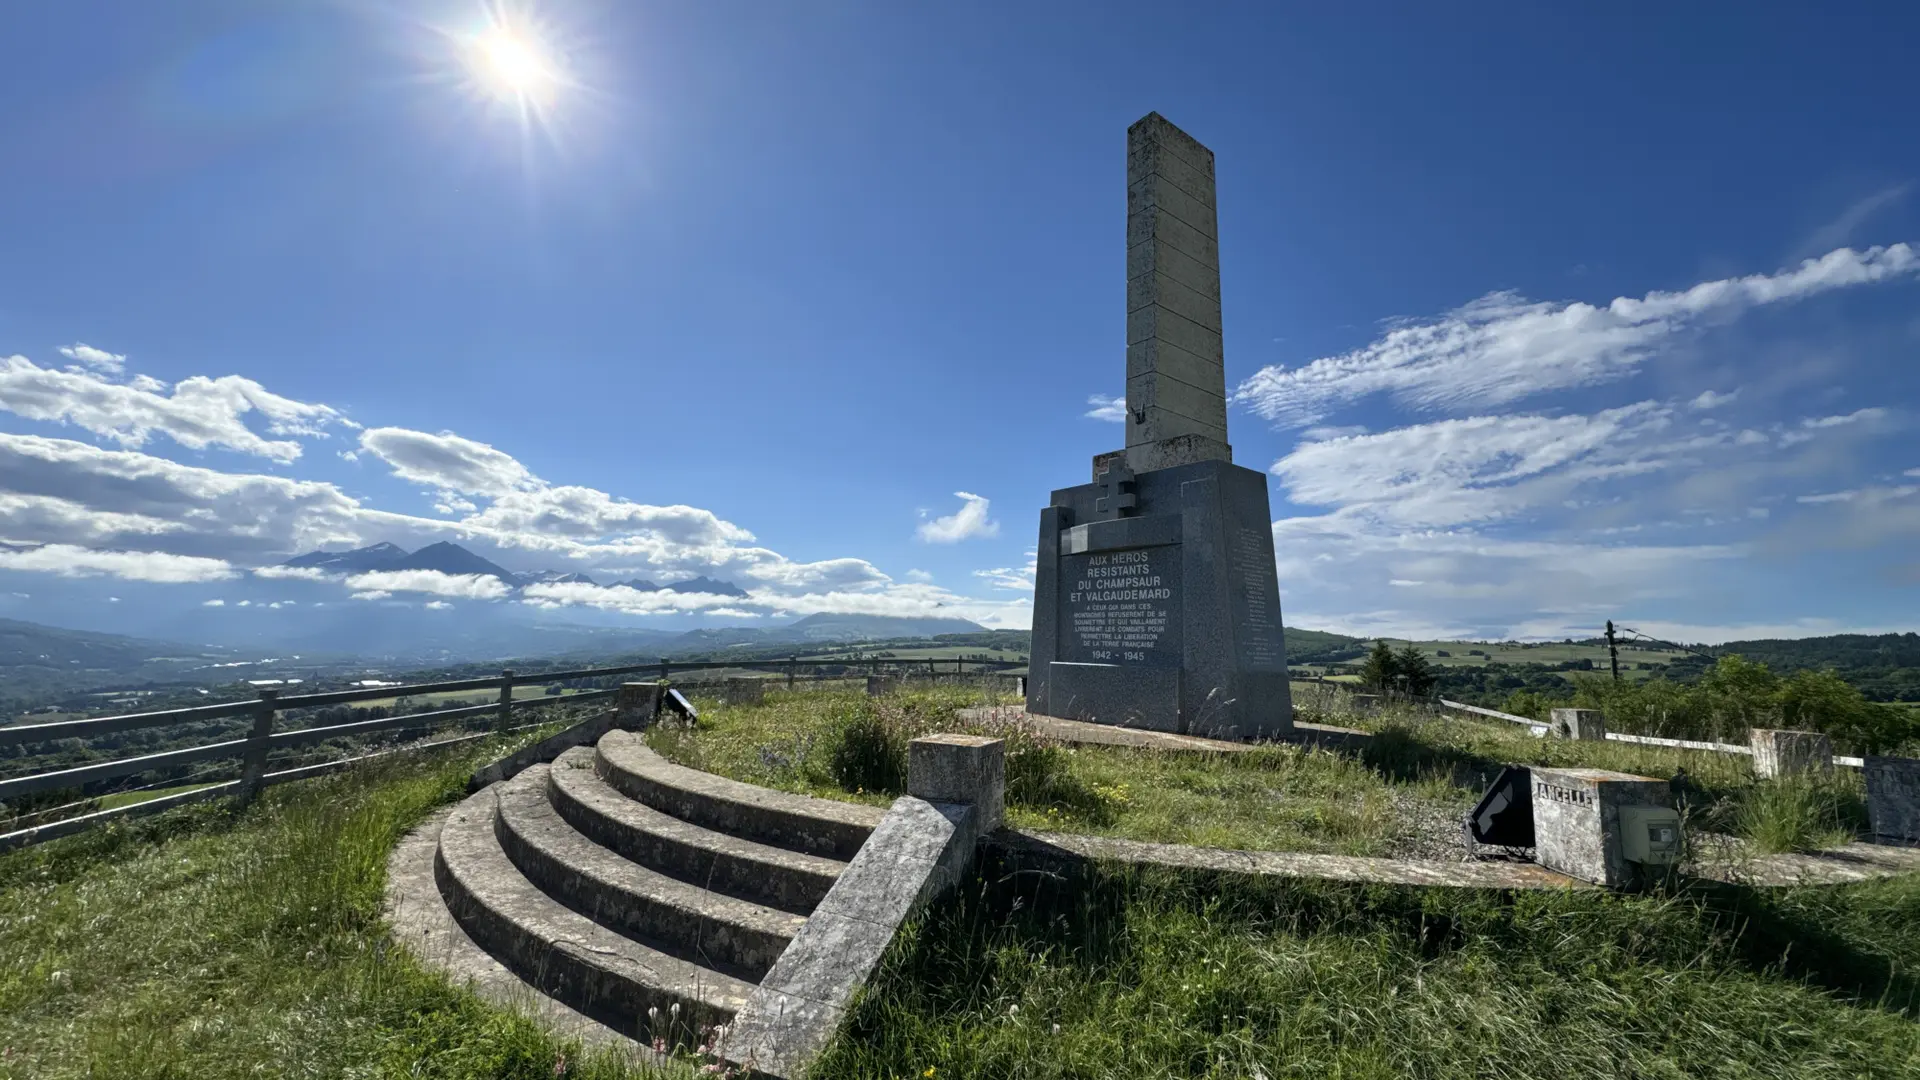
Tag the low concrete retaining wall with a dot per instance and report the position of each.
(923, 846)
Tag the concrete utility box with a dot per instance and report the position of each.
(1581, 822)
(1893, 798)
(1784, 753)
(1587, 725)
(1650, 835)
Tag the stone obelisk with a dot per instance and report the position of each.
(1156, 602)
(1176, 372)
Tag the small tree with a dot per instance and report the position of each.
(1381, 667)
(1413, 673)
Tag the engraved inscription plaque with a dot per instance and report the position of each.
(1253, 568)
(1121, 607)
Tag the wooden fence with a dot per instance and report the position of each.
(262, 740)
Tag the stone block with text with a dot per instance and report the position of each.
(1157, 604)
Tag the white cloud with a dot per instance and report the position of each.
(200, 412)
(437, 605)
(371, 594)
(1105, 407)
(1014, 578)
(449, 503)
(586, 514)
(213, 603)
(447, 461)
(1709, 399)
(68, 560)
(968, 521)
(1831, 496)
(97, 359)
(1503, 348)
(296, 573)
(1403, 583)
(1323, 432)
(467, 586)
(920, 576)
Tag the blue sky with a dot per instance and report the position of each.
(1536, 317)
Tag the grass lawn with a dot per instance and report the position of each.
(1404, 797)
(208, 944)
(128, 798)
(1144, 974)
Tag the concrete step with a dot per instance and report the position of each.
(789, 880)
(720, 932)
(781, 819)
(568, 956)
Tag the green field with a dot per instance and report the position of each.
(1461, 653)
(128, 798)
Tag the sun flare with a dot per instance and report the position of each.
(513, 63)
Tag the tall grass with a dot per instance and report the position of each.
(1804, 812)
(1150, 974)
(206, 943)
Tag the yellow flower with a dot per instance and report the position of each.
(929, 1071)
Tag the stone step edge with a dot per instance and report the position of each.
(420, 922)
(733, 936)
(565, 954)
(720, 862)
(780, 818)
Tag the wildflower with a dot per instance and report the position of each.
(659, 1045)
(674, 1009)
(1056, 1029)
(653, 1013)
(60, 979)
(930, 1071)
(560, 1065)
(1013, 1010)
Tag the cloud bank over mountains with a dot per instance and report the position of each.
(126, 510)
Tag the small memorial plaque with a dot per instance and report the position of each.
(1121, 607)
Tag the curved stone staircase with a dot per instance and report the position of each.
(614, 882)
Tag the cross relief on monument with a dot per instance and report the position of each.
(1156, 601)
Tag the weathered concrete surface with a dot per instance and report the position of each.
(1785, 753)
(724, 933)
(820, 826)
(1068, 847)
(965, 769)
(1576, 820)
(919, 850)
(1893, 798)
(1726, 861)
(1586, 725)
(422, 924)
(1082, 733)
(763, 873)
(597, 971)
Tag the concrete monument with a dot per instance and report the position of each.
(1156, 603)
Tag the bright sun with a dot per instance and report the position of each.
(512, 64)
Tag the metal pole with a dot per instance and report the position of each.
(505, 719)
(1613, 653)
(254, 762)
(663, 669)
(793, 665)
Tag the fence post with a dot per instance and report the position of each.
(505, 719)
(793, 664)
(663, 669)
(254, 758)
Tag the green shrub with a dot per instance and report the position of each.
(868, 752)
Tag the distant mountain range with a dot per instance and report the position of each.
(451, 558)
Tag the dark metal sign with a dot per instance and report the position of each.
(1504, 815)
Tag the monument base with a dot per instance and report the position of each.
(1157, 605)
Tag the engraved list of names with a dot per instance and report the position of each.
(1122, 607)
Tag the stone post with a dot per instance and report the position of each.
(1893, 798)
(1605, 827)
(967, 769)
(793, 668)
(1785, 753)
(1586, 725)
(879, 686)
(636, 705)
(743, 691)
